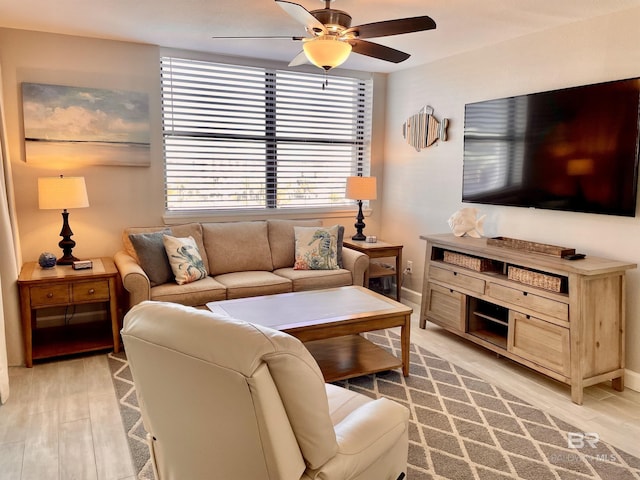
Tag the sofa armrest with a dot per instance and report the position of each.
(357, 263)
(134, 280)
(375, 430)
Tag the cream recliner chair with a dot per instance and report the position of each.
(223, 399)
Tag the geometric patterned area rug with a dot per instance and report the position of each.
(461, 427)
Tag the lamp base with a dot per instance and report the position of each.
(66, 244)
(359, 224)
(66, 260)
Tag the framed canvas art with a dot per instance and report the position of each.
(85, 126)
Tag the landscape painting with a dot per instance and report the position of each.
(85, 126)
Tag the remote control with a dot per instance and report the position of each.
(574, 256)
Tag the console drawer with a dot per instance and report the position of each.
(446, 307)
(541, 342)
(531, 301)
(457, 279)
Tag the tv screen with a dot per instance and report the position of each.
(573, 149)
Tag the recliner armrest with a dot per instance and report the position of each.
(134, 280)
(365, 435)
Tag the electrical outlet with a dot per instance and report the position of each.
(409, 268)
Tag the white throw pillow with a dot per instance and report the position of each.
(316, 248)
(185, 259)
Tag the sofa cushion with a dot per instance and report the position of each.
(315, 279)
(251, 284)
(153, 256)
(316, 248)
(237, 247)
(282, 240)
(185, 230)
(185, 259)
(192, 294)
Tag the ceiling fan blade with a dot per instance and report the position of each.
(302, 15)
(394, 27)
(299, 59)
(376, 50)
(276, 37)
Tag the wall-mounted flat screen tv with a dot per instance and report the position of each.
(574, 149)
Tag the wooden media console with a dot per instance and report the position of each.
(571, 329)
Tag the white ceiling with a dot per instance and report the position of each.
(462, 25)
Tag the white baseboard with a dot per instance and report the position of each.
(632, 380)
(411, 296)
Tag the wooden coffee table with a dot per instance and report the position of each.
(329, 323)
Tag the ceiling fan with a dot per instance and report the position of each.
(332, 38)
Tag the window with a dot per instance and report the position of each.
(239, 137)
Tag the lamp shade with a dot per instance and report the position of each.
(361, 188)
(62, 192)
(327, 51)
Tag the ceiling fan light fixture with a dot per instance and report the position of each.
(327, 51)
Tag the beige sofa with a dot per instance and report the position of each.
(242, 259)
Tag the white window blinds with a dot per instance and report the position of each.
(239, 137)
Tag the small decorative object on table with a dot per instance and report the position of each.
(525, 245)
(466, 221)
(47, 260)
(82, 264)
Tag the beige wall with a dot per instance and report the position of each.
(421, 190)
(118, 196)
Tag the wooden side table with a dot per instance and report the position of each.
(61, 286)
(380, 250)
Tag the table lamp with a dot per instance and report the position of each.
(63, 193)
(360, 188)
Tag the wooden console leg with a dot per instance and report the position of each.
(577, 394)
(618, 384)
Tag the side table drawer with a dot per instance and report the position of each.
(49, 295)
(90, 291)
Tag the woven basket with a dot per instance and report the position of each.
(535, 279)
(467, 261)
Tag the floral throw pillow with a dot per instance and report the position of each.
(316, 248)
(185, 259)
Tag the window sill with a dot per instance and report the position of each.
(176, 218)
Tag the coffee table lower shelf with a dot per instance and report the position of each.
(350, 356)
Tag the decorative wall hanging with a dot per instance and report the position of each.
(85, 126)
(423, 129)
(466, 221)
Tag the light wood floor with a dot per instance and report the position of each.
(62, 422)
(62, 419)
